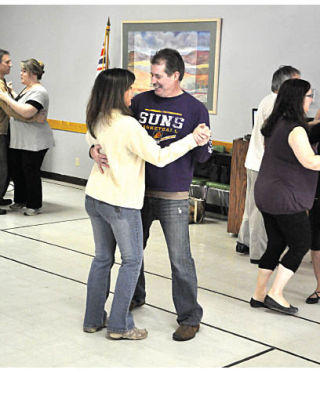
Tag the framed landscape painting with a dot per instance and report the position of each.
(198, 42)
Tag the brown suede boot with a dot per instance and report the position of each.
(184, 332)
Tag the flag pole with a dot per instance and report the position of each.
(104, 50)
(107, 35)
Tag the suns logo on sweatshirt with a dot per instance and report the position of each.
(161, 125)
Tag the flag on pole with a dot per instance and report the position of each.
(103, 63)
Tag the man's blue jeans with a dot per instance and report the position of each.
(174, 219)
(113, 225)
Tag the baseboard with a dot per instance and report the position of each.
(64, 178)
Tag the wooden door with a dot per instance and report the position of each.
(238, 185)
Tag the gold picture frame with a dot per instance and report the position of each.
(198, 41)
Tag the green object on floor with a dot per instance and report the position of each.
(217, 185)
(199, 181)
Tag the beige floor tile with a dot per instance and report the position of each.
(44, 265)
(276, 359)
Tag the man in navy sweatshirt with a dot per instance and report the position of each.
(168, 113)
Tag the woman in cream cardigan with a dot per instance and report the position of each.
(114, 198)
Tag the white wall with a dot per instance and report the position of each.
(255, 41)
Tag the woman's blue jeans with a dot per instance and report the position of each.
(113, 225)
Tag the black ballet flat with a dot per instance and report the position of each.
(273, 305)
(256, 303)
(313, 300)
(242, 248)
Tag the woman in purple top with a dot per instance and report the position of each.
(284, 191)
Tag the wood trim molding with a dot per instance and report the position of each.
(68, 126)
(82, 129)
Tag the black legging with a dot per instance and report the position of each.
(314, 217)
(25, 172)
(286, 230)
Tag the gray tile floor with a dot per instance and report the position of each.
(44, 263)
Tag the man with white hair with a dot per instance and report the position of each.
(252, 236)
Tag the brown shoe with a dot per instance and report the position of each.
(184, 332)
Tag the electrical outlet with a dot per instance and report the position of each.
(77, 161)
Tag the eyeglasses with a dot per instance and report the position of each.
(309, 95)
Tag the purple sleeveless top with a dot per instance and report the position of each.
(283, 185)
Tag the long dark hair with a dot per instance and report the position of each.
(107, 94)
(288, 105)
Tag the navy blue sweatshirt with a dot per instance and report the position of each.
(168, 119)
